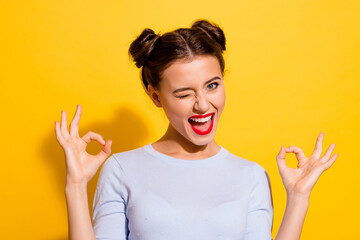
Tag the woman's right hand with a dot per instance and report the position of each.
(80, 166)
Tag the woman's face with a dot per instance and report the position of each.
(192, 95)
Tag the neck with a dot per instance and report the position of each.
(174, 144)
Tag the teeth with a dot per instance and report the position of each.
(201, 119)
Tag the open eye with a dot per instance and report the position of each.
(213, 85)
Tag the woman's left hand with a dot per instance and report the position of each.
(300, 181)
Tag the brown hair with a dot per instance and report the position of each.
(154, 53)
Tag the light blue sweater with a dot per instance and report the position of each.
(144, 194)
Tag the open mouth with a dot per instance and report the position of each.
(202, 125)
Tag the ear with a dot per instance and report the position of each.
(154, 95)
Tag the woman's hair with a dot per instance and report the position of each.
(154, 53)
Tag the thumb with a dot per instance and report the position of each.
(107, 147)
(105, 151)
(280, 159)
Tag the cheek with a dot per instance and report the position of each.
(218, 100)
(179, 110)
(222, 97)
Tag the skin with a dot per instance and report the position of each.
(181, 141)
(203, 79)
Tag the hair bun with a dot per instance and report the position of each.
(212, 30)
(140, 49)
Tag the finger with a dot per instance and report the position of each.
(105, 151)
(74, 126)
(328, 153)
(298, 152)
(64, 130)
(331, 161)
(89, 136)
(280, 159)
(318, 146)
(59, 136)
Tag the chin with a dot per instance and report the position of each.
(201, 143)
(197, 139)
(201, 137)
(202, 140)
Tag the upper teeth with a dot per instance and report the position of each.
(205, 119)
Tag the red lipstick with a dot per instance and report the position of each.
(201, 116)
(198, 131)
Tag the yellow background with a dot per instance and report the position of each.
(292, 72)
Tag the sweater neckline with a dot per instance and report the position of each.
(217, 157)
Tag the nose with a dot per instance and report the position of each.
(201, 103)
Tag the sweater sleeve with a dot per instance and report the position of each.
(109, 219)
(260, 209)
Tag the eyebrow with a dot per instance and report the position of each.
(184, 89)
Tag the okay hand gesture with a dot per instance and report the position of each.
(302, 179)
(80, 166)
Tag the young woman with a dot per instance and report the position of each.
(184, 185)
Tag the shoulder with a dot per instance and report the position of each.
(117, 161)
(129, 154)
(120, 166)
(254, 171)
(251, 165)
